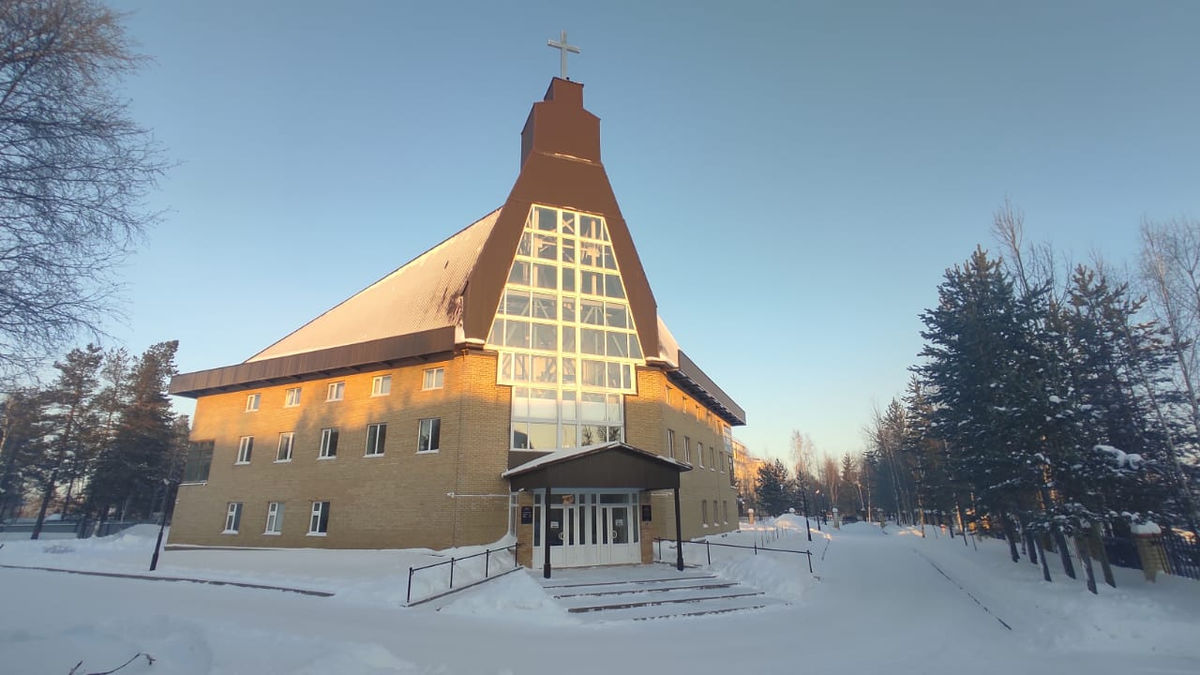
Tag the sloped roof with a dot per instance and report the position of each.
(423, 294)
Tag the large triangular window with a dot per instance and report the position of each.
(566, 336)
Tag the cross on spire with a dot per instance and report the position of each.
(563, 48)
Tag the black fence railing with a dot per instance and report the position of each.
(487, 572)
(1183, 556)
(1122, 552)
(755, 547)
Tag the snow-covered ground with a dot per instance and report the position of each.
(878, 602)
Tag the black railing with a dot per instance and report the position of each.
(1183, 556)
(755, 547)
(487, 564)
(1122, 552)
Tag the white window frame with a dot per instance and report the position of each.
(274, 519)
(671, 443)
(421, 433)
(291, 397)
(687, 449)
(700, 453)
(336, 391)
(253, 401)
(433, 378)
(323, 450)
(381, 446)
(233, 518)
(245, 450)
(703, 513)
(381, 385)
(290, 437)
(319, 510)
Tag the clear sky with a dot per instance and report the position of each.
(796, 175)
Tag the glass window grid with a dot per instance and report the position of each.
(274, 518)
(291, 397)
(433, 378)
(233, 518)
(559, 332)
(252, 402)
(329, 443)
(245, 449)
(284, 452)
(336, 391)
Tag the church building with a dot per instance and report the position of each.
(518, 365)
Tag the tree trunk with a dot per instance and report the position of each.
(1102, 554)
(1084, 555)
(1031, 547)
(1060, 542)
(47, 494)
(1045, 566)
(961, 521)
(1010, 535)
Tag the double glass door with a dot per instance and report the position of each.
(588, 528)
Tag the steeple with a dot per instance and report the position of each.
(559, 125)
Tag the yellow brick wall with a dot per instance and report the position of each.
(648, 416)
(403, 499)
(454, 496)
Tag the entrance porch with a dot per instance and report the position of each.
(591, 503)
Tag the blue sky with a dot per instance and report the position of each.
(796, 176)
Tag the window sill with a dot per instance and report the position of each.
(378, 454)
(241, 463)
(432, 388)
(315, 534)
(381, 395)
(250, 411)
(229, 531)
(429, 452)
(321, 459)
(271, 534)
(283, 461)
(194, 482)
(294, 405)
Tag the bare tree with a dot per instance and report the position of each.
(74, 172)
(804, 456)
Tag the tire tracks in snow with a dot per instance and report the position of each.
(963, 589)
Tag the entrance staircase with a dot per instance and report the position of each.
(641, 592)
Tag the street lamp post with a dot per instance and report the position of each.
(804, 500)
(817, 499)
(168, 503)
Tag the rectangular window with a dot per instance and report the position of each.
(336, 391)
(318, 524)
(245, 447)
(712, 461)
(291, 397)
(376, 438)
(284, 454)
(233, 518)
(199, 459)
(252, 402)
(329, 441)
(430, 437)
(274, 518)
(725, 511)
(434, 378)
(687, 449)
(381, 385)
(703, 513)
(671, 443)
(700, 454)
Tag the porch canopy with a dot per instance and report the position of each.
(609, 465)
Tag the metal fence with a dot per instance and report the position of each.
(1122, 552)
(709, 544)
(487, 573)
(1183, 556)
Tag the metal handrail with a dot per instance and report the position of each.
(756, 548)
(486, 566)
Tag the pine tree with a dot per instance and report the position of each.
(21, 445)
(773, 490)
(69, 422)
(131, 471)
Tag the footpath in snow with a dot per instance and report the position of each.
(877, 602)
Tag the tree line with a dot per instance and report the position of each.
(99, 441)
(1053, 400)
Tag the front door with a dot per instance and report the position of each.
(588, 527)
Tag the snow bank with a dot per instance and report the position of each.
(513, 596)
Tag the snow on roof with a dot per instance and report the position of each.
(423, 294)
(569, 453)
(668, 347)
